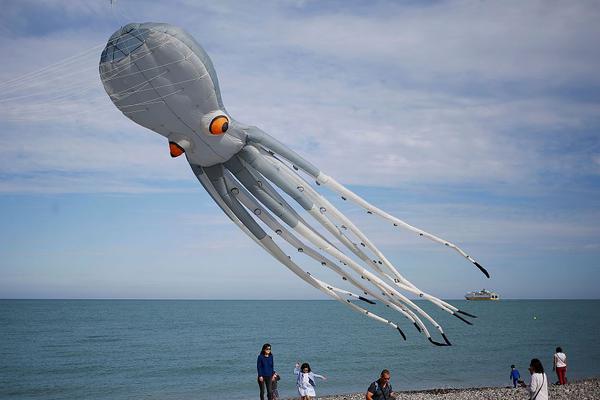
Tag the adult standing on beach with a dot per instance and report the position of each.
(265, 369)
(538, 389)
(381, 389)
(560, 366)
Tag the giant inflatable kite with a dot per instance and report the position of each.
(159, 77)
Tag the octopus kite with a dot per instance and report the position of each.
(159, 77)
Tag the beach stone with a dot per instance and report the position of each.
(587, 389)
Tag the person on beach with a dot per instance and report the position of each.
(305, 381)
(514, 375)
(274, 381)
(265, 370)
(560, 366)
(381, 389)
(538, 389)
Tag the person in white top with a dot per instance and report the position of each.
(305, 381)
(538, 389)
(560, 366)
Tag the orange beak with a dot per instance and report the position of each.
(175, 149)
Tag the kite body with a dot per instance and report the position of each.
(160, 78)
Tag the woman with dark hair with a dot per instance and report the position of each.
(305, 381)
(538, 390)
(560, 365)
(264, 368)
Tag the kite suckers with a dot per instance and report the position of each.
(160, 78)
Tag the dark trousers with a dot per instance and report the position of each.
(265, 383)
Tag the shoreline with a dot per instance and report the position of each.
(584, 389)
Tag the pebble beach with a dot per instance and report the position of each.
(587, 389)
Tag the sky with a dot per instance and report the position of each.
(476, 121)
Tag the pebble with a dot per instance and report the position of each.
(587, 389)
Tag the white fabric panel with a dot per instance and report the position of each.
(164, 86)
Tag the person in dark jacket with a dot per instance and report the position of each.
(265, 369)
(381, 389)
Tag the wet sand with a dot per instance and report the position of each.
(587, 389)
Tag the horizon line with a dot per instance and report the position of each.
(206, 299)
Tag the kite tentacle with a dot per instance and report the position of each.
(242, 173)
(255, 160)
(307, 232)
(324, 203)
(269, 220)
(219, 187)
(208, 185)
(256, 135)
(371, 209)
(346, 223)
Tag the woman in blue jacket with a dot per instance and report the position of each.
(264, 368)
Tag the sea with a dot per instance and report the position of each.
(204, 349)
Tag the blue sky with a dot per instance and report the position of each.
(477, 121)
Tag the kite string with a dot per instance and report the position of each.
(136, 88)
(61, 63)
(85, 69)
(148, 69)
(119, 68)
(52, 84)
(77, 85)
(75, 89)
(157, 87)
(25, 79)
(156, 100)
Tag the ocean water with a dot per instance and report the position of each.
(130, 349)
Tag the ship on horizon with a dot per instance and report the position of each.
(483, 294)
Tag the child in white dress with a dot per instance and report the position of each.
(305, 381)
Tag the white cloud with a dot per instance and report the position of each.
(383, 98)
(448, 97)
(515, 40)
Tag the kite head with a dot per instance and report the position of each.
(159, 77)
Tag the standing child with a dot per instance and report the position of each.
(306, 381)
(514, 375)
(274, 391)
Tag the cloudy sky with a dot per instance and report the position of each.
(477, 121)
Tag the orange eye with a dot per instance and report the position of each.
(219, 125)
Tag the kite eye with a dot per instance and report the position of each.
(219, 125)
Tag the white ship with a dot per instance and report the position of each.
(483, 294)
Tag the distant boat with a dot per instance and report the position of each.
(483, 294)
